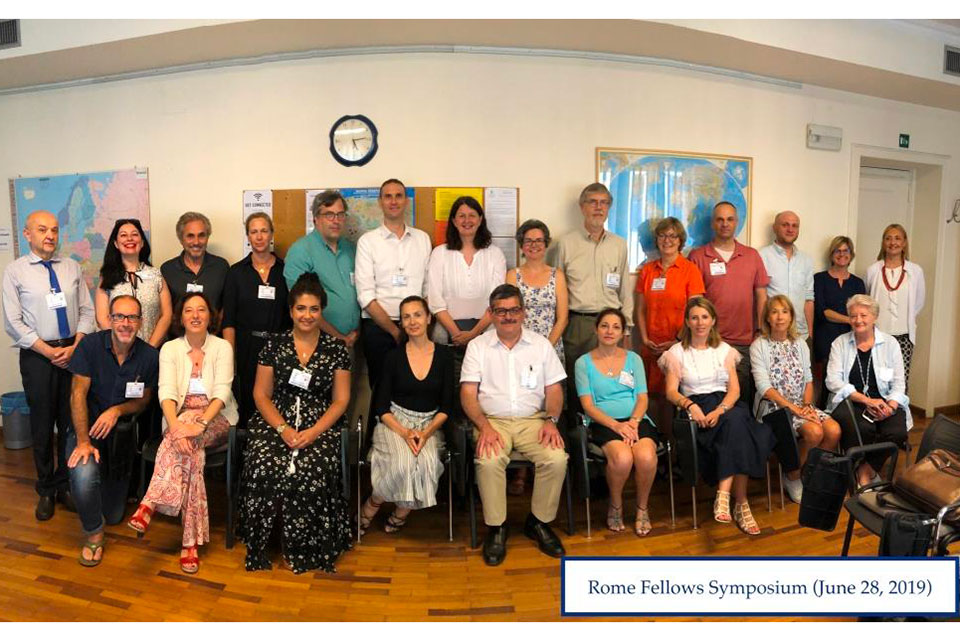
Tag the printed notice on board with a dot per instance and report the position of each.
(255, 200)
(6, 240)
(500, 204)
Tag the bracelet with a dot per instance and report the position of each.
(281, 428)
(724, 407)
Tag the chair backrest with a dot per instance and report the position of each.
(942, 433)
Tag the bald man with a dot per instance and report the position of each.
(790, 270)
(46, 310)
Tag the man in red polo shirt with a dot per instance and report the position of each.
(735, 281)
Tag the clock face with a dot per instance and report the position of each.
(353, 140)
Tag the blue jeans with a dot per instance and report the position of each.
(100, 500)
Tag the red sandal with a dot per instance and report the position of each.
(141, 520)
(190, 563)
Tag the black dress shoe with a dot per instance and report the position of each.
(44, 508)
(495, 545)
(546, 539)
(64, 498)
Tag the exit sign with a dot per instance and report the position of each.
(904, 140)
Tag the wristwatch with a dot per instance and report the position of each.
(202, 422)
(281, 428)
(554, 419)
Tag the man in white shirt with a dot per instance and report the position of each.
(391, 265)
(511, 390)
(790, 270)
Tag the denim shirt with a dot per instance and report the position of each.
(887, 365)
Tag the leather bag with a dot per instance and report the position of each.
(933, 483)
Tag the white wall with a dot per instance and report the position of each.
(460, 119)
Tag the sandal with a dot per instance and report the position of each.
(744, 519)
(93, 560)
(395, 522)
(141, 520)
(366, 517)
(615, 518)
(721, 507)
(190, 563)
(643, 525)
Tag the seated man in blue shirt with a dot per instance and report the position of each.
(114, 377)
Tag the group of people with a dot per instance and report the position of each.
(448, 335)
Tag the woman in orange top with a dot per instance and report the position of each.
(663, 287)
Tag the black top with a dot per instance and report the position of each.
(94, 359)
(864, 362)
(828, 294)
(244, 310)
(212, 274)
(398, 384)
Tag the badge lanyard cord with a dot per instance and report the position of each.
(291, 468)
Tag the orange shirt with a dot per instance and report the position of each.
(665, 294)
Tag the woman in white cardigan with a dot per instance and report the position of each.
(898, 287)
(196, 372)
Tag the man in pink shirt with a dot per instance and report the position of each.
(735, 281)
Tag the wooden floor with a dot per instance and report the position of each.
(416, 575)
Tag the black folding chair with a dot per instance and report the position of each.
(585, 453)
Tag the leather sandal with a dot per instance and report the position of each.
(93, 560)
(141, 520)
(643, 526)
(190, 563)
(366, 517)
(721, 507)
(615, 518)
(744, 519)
(395, 522)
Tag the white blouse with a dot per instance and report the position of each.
(700, 370)
(460, 289)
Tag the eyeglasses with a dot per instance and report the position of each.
(121, 317)
(667, 236)
(329, 215)
(842, 251)
(534, 242)
(598, 202)
(504, 312)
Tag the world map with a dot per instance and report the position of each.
(86, 205)
(649, 186)
(363, 210)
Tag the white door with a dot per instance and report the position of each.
(886, 197)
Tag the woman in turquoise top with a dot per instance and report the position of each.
(613, 391)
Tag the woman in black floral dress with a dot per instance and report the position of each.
(292, 460)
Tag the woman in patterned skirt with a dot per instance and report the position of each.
(292, 469)
(414, 399)
(196, 371)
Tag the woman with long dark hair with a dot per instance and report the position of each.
(127, 271)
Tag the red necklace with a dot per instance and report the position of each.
(886, 283)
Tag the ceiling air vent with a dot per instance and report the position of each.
(9, 34)
(951, 60)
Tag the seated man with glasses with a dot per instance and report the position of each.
(511, 388)
(114, 377)
(328, 254)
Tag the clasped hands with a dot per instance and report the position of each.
(628, 430)
(880, 409)
(299, 439)
(416, 440)
(704, 421)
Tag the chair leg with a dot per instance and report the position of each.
(230, 513)
(769, 490)
(693, 496)
(449, 498)
(847, 536)
(780, 469)
(587, 505)
(473, 519)
(571, 527)
(359, 500)
(673, 512)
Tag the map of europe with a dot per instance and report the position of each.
(87, 205)
(649, 186)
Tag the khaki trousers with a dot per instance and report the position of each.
(551, 467)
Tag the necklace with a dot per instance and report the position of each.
(886, 283)
(264, 267)
(865, 376)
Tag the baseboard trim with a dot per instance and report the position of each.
(948, 408)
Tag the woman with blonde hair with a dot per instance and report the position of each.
(702, 380)
(897, 285)
(780, 363)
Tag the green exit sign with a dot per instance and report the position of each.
(904, 140)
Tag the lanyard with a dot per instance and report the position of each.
(864, 376)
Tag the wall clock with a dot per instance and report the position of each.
(353, 140)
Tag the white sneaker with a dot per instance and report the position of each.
(794, 488)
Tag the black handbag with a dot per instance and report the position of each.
(905, 534)
(825, 479)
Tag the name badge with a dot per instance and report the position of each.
(266, 292)
(300, 378)
(528, 379)
(399, 280)
(626, 379)
(612, 280)
(134, 390)
(193, 287)
(659, 284)
(56, 300)
(145, 275)
(722, 375)
(196, 387)
(718, 268)
(353, 279)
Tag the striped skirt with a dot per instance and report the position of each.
(396, 474)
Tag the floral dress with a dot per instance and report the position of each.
(147, 288)
(305, 490)
(786, 376)
(540, 305)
